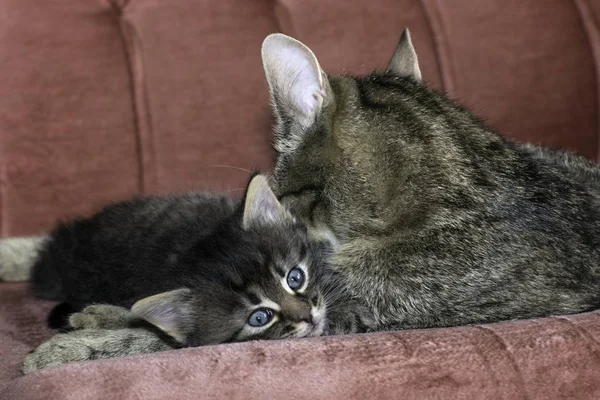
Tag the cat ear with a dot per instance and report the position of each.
(171, 312)
(299, 88)
(261, 205)
(404, 62)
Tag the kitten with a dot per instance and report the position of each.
(201, 268)
(437, 220)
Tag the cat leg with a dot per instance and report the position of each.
(17, 257)
(93, 344)
(102, 316)
(348, 316)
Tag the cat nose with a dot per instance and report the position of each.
(294, 310)
(304, 316)
(310, 318)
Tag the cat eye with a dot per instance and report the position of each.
(260, 317)
(295, 278)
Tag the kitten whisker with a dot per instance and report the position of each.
(232, 167)
(233, 190)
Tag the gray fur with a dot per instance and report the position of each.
(197, 266)
(103, 331)
(439, 220)
(235, 266)
(103, 316)
(435, 219)
(17, 257)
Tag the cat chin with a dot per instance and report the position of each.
(317, 329)
(313, 330)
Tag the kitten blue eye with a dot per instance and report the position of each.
(295, 278)
(260, 317)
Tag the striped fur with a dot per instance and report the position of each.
(439, 221)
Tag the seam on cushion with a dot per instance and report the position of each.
(591, 29)
(513, 362)
(3, 213)
(147, 178)
(283, 18)
(436, 45)
(119, 6)
(435, 23)
(580, 330)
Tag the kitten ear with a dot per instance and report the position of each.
(404, 62)
(171, 312)
(299, 88)
(261, 205)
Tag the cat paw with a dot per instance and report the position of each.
(101, 316)
(60, 349)
(93, 344)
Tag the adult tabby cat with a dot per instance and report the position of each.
(436, 219)
(199, 267)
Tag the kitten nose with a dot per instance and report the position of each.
(295, 310)
(310, 318)
(302, 316)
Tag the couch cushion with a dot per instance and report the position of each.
(537, 359)
(22, 328)
(527, 67)
(107, 99)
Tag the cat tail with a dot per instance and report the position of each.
(18, 255)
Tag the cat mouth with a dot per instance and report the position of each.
(314, 329)
(317, 329)
(319, 322)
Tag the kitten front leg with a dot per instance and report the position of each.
(102, 316)
(94, 344)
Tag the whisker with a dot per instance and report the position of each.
(233, 190)
(232, 167)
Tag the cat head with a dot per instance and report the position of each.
(347, 145)
(256, 277)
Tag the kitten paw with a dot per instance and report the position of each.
(60, 349)
(101, 316)
(93, 344)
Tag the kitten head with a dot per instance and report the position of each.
(256, 277)
(347, 145)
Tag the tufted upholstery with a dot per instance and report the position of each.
(104, 99)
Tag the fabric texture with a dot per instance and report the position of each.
(106, 99)
(539, 359)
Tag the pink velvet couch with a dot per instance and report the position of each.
(104, 99)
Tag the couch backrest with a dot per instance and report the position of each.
(102, 100)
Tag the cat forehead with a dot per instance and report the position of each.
(274, 292)
(378, 102)
(250, 249)
(283, 246)
(375, 92)
(354, 102)
(264, 272)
